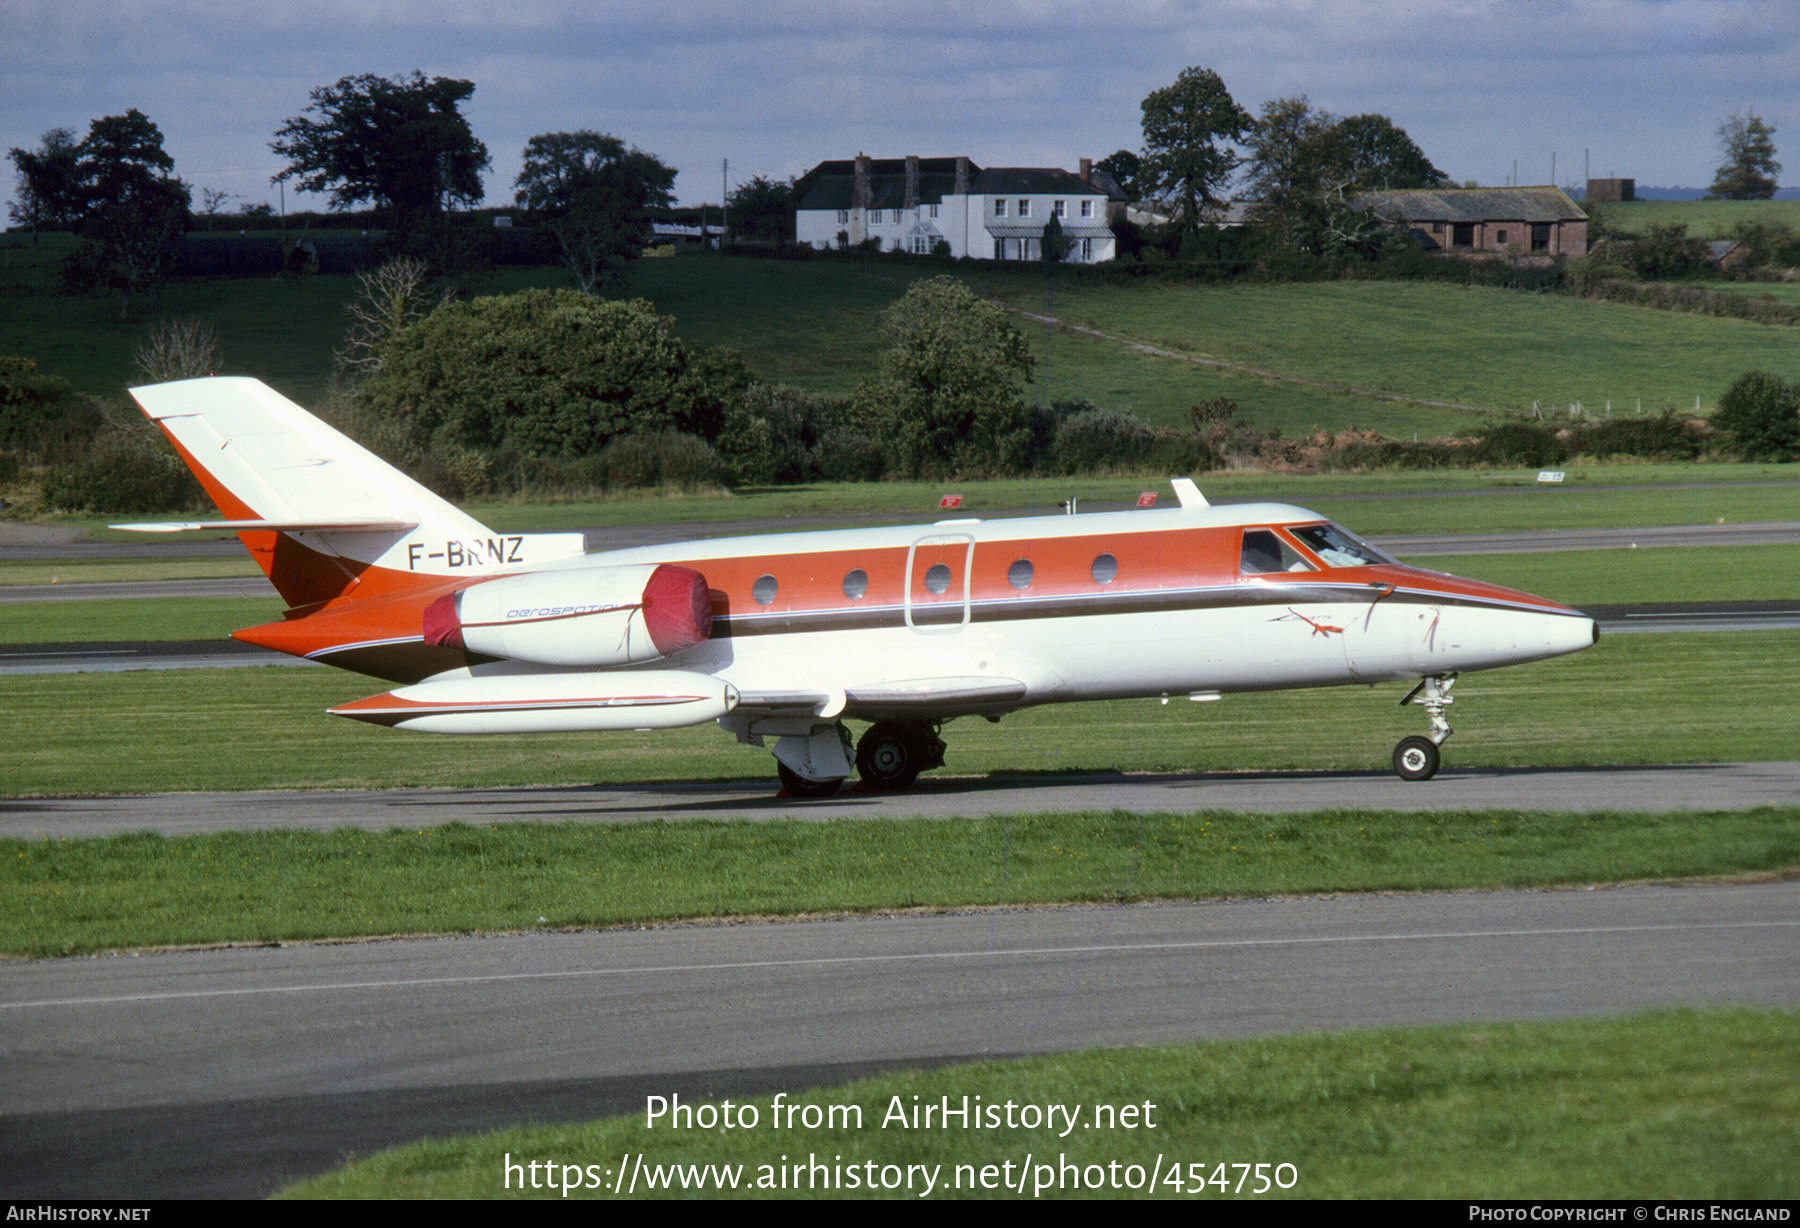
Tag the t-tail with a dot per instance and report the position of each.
(338, 531)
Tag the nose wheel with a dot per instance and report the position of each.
(1417, 758)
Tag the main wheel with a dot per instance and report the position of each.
(891, 754)
(1416, 759)
(799, 786)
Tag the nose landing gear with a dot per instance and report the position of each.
(1417, 758)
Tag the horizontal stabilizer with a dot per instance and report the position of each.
(272, 526)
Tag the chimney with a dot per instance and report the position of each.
(860, 192)
(912, 182)
(1087, 170)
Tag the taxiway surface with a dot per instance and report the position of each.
(232, 1072)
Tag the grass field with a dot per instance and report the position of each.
(1402, 358)
(76, 897)
(1672, 1105)
(1633, 699)
(1705, 219)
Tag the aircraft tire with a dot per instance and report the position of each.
(1416, 758)
(799, 786)
(890, 756)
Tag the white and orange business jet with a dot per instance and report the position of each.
(788, 636)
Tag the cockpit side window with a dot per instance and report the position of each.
(1337, 546)
(1264, 553)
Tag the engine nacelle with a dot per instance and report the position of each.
(586, 618)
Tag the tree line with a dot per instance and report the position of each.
(403, 146)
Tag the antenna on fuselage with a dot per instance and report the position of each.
(1188, 494)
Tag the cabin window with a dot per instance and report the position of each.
(1264, 553)
(1105, 568)
(1019, 574)
(763, 590)
(1337, 546)
(1540, 236)
(937, 580)
(856, 584)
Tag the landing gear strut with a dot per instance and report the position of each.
(1417, 758)
(891, 754)
(814, 763)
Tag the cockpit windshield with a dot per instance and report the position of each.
(1337, 546)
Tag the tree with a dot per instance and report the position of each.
(950, 393)
(177, 349)
(1307, 165)
(1187, 158)
(1125, 168)
(392, 297)
(546, 373)
(401, 144)
(132, 210)
(1750, 168)
(762, 210)
(594, 196)
(1374, 152)
(1762, 412)
(48, 195)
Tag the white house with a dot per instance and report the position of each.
(913, 204)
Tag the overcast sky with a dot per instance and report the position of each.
(1629, 87)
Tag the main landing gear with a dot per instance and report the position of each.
(1417, 758)
(889, 757)
(891, 754)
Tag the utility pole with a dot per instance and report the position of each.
(724, 200)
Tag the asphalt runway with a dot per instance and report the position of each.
(1699, 786)
(231, 1072)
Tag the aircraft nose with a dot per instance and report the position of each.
(1556, 634)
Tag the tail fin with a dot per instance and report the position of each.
(322, 515)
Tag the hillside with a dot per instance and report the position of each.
(1403, 358)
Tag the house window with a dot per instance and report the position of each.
(930, 210)
(918, 245)
(1087, 208)
(999, 208)
(1024, 207)
(843, 217)
(1060, 208)
(896, 217)
(1540, 236)
(1087, 251)
(1500, 238)
(1437, 228)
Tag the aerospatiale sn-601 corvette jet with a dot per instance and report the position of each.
(786, 637)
